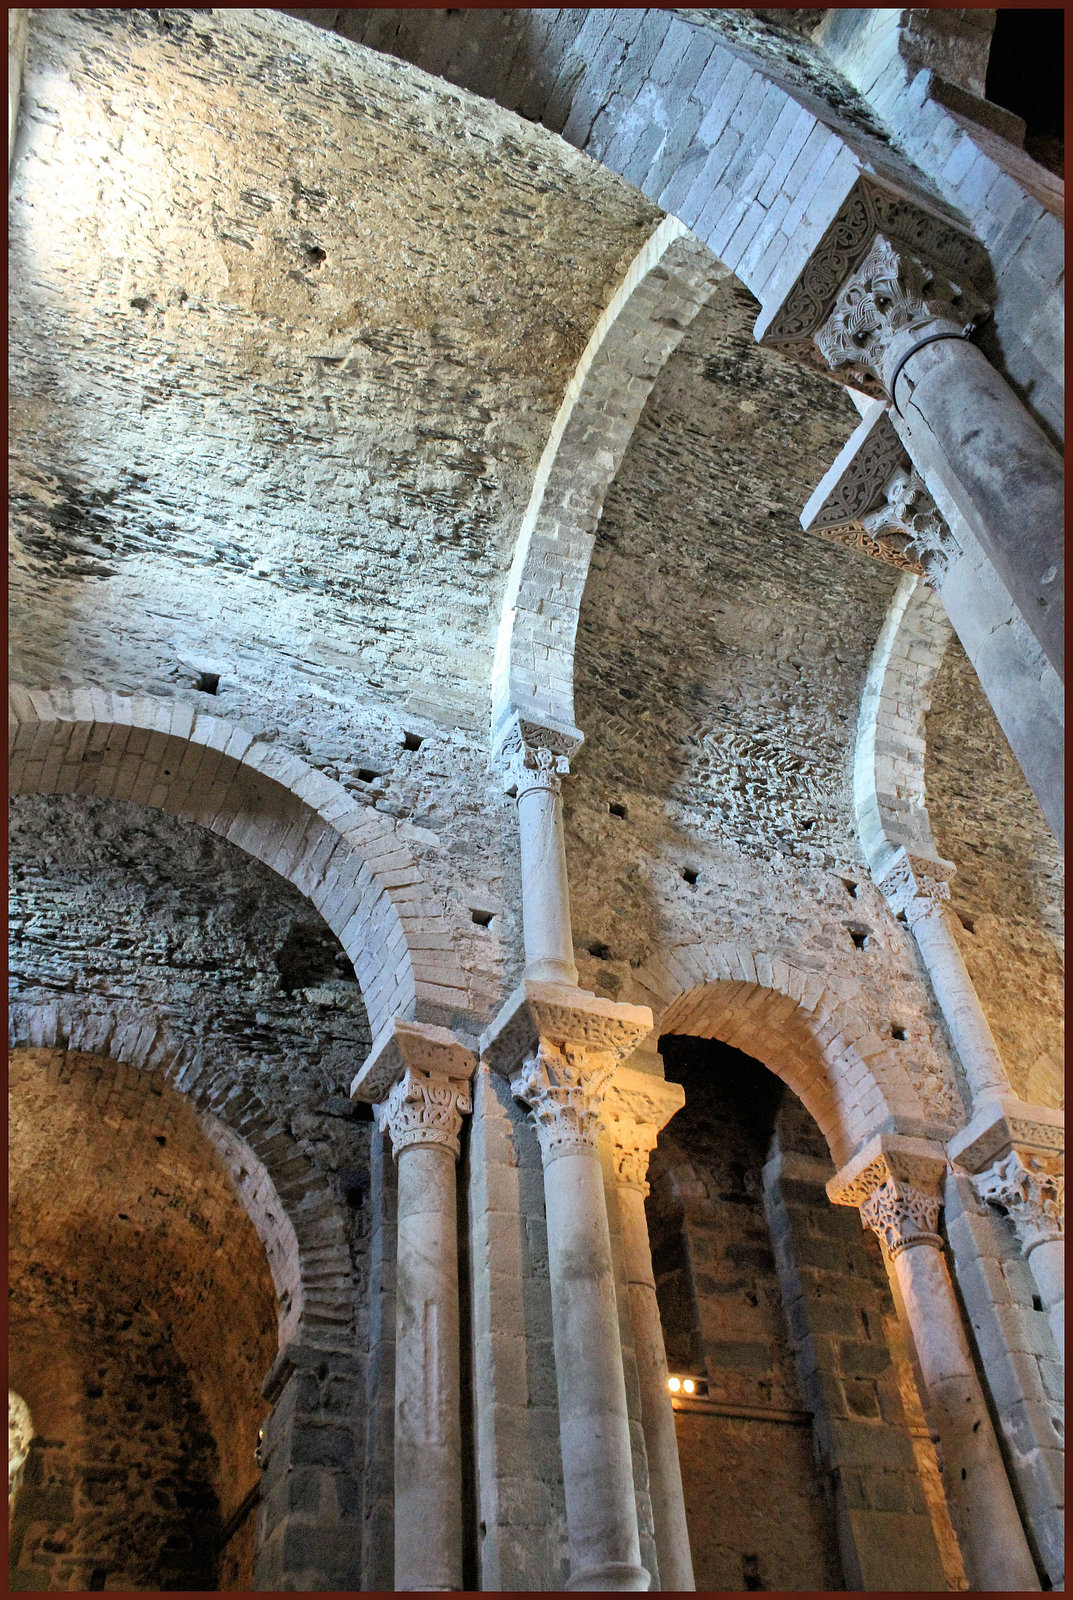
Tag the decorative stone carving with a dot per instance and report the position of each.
(424, 1108)
(636, 1106)
(910, 514)
(870, 209)
(562, 1085)
(1030, 1188)
(916, 886)
(895, 1183)
(535, 756)
(894, 292)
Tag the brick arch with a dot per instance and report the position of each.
(888, 764)
(290, 1205)
(352, 862)
(661, 292)
(805, 1026)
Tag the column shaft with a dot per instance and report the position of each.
(428, 1446)
(657, 1413)
(959, 1003)
(1048, 1263)
(601, 1511)
(982, 1507)
(549, 945)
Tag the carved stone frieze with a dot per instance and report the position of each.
(916, 886)
(894, 293)
(871, 208)
(424, 1108)
(562, 1084)
(896, 1184)
(1030, 1188)
(887, 546)
(534, 756)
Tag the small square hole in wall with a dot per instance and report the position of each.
(483, 919)
(690, 876)
(1037, 1303)
(860, 937)
(412, 741)
(602, 952)
(616, 808)
(967, 922)
(850, 887)
(369, 774)
(208, 682)
(897, 1031)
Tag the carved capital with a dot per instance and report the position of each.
(636, 1106)
(424, 1108)
(916, 886)
(535, 756)
(894, 299)
(563, 1084)
(896, 1184)
(1031, 1188)
(417, 1077)
(910, 514)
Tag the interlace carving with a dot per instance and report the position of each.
(1031, 1189)
(563, 1085)
(902, 1209)
(424, 1108)
(916, 886)
(535, 758)
(893, 291)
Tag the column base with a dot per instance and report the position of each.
(611, 1575)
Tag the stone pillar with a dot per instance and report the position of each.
(418, 1079)
(905, 321)
(1015, 1156)
(568, 1044)
(636, 1106)
(916, 887)
(18, 28)
(536, 760)
(896, 1184)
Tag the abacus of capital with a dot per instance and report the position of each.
(417, 1077)
(896, 1183)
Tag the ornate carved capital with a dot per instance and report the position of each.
(424, 1108)
(910, 514)
(417, 1076)
(636, 1106)
(562, 1084)
(894, 293)
(1031, 1189)
(535, 756)
(916, 886)
(896, 1186)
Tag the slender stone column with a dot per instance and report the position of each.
(1015, 1156)
(916, 887)
(569, 1044)
(418, 1078)
(905, 321)
(896, 1184)
(637, 1105)
(537, 759)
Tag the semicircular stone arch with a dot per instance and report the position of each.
(805, 1026)
(353, 863)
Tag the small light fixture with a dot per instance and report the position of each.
(688, 1387)
(674, 1384)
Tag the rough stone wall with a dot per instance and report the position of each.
(141, 1294)
(1009, 888)
(720, 659)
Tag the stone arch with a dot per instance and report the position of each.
(807, 1027)
(353, 863)
(888, 764)
(664, 287)
(293, 1211)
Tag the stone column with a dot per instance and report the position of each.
(536, 760)
(916, 887)
(1015, 1156)
(896, 1184)
(18, 27)
(904, 320)
(637, 1105)
(568, 1044)
(417, 1077)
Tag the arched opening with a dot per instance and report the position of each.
(142, 1321)
(803, 1448)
